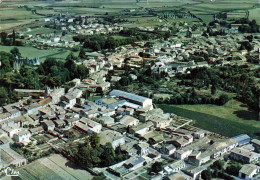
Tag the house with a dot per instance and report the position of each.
(244, 155)
(22, 137)
(67, 101)
(256, 144)
(10, 131)
(181, 142)
(141, 129)
(182, 153)
(59, 123)
(160, 121)
(113, 137)
(125, 111)
(197, 158)
(129, 121)
(198, 134)
(92, 125)
(133, 98)
(71, 121)
(194, 172)
(134, 163)
(129, 148)
(248, 171)
(109, 102)
(36, 130)
(177, 165)
(106, 120)
(168, 149)
(219, 148)
(10, 158)
(144, 115)
(48, 125)
(142, 148)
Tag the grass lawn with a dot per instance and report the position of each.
(32, 52)
(229, 120)
(93, 98)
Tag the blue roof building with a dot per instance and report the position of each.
(242, 139)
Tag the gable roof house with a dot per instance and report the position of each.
(248, 171)
(113, 137)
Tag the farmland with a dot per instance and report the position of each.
(229, 120)
(53, 167)
(14, 15)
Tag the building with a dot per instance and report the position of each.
(129, 121)
(36, 130)
(89, 126)
(48, 125)
(182, 153)
(219, 148)
(248, 171)
(134, 163)
(133, 98)
(177, 165)
(110, 102)
(9, 157)
(142, 148)
(168, 149)
(141, 129)
(244, 155)
(113, 137)
(198, 134)
(22, 137)
(106, 120)
(256, 144)
(242, 139)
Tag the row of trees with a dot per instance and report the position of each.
(193, 98)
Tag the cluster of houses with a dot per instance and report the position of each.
(67, 26)
(125, 120)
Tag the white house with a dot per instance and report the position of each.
(248, 171)
(22, 136)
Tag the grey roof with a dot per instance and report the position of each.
(127, 95)
(241, 137)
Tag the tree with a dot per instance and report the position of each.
(223, 99)
(233, 169)
(206, 174)
(213, 89)
(157, 167)
(100, 176)
(94, 140)
(82, 71)
(124, 81)
(71, 56)
(82, 54)
(13, 37)
(4, 98)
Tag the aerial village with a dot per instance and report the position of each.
(42, 119)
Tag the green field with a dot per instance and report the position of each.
(31, 52)
(229, 120)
